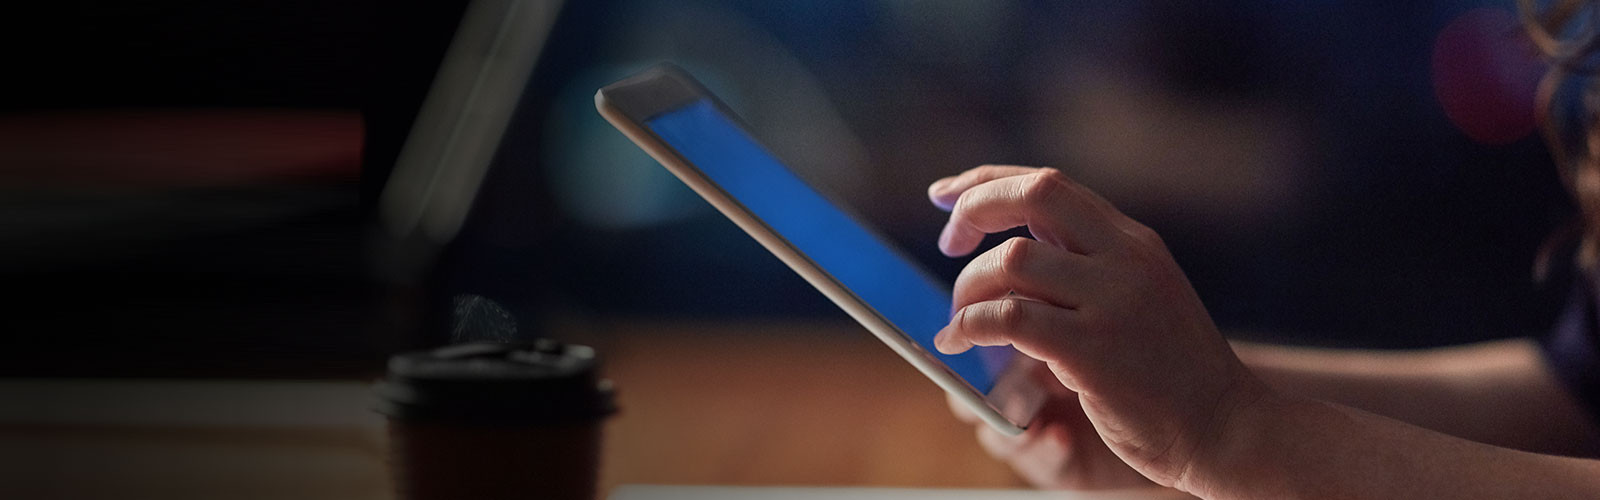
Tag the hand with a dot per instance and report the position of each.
(1060, 449)
(1100, 301)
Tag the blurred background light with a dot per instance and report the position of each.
(1354, 172)
(1486, 73)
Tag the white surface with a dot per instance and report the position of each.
(652, 492)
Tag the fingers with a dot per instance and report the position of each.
(998, 445)
(944, 192)
(1056, 209)
(1029, 268)
(1053, 462)
(960, 410)
(1001, 446)
(1034, 328)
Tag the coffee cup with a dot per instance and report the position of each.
(495, 421)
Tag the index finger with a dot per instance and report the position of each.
(944, 192)
(1054, 208)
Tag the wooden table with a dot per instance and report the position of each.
(777, 404)
(702, 403)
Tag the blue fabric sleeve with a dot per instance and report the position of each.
(1571, 347)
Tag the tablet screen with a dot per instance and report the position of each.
(862, 262)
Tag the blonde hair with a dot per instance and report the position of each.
(1567, 32)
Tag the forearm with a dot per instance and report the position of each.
(1294, 447)
(1497, 393)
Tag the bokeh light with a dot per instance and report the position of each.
(1485, 75)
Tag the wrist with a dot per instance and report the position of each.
(1247, 418)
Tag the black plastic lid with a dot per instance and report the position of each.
(538, 383)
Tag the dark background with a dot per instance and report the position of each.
(1296, 156)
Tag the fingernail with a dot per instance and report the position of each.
(939, 186)
(952, 347)
(941, 342)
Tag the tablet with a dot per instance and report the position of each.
(701, 141)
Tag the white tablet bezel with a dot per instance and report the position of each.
(627, 104)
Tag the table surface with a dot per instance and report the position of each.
(652, 492)
(778, 404)
(710, 403)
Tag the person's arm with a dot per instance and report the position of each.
(1295, 447)
(1500, 393)
(1101, 302)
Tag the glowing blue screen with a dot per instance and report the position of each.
(896, 288)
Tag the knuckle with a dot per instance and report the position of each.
(1014, 255)
(963, 203)
(1147, 235)
(963, 320)
(1140, 242)
(1044, 187)
(1011, 315)
(1056, 176)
